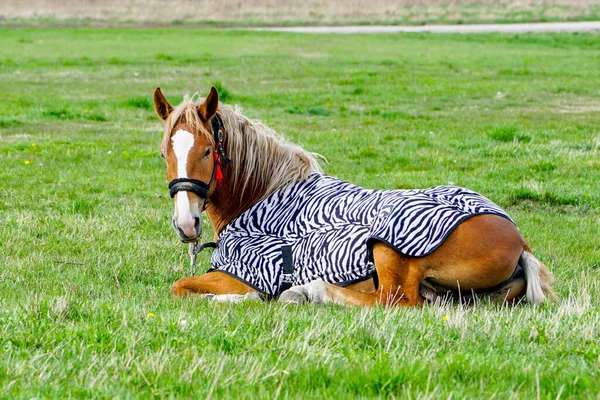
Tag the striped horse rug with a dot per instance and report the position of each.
(324, 228)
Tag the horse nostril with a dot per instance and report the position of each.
(197, 224)
(189, 229)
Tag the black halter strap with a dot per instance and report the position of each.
(189, 185)
(196, 186)
(216, 124)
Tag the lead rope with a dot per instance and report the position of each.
(194, 249)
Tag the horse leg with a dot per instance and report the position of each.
(320, 292)
(512, 291)
(216, 283)
(399, 278)
(509, 292)
(232, 298)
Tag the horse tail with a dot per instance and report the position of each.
(539, 278)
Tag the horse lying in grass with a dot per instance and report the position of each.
(285, 230)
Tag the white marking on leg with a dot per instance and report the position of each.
(315, 291)
(232, 298)
(183, 141)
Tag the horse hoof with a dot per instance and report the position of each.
(292, 297)
(252, 296)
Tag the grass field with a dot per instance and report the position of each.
(88, 256)
(294, 12)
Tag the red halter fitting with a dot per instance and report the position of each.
(218, 172)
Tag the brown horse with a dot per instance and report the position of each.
(479, 257)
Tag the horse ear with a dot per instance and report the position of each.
(208, 109)
(161, 104)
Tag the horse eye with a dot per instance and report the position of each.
(207, 153)
(162, 155)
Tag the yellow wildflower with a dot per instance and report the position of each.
(445, 318)
(27, 162)
(150, 315)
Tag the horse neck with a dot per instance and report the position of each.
(226, 205)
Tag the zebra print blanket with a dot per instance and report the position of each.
(325, 227)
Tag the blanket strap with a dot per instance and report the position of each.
(287, 260)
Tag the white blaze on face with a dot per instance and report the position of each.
(183, 141)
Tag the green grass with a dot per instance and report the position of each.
(88, 256)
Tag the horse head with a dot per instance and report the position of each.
(190, 148)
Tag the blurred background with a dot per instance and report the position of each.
(295, 12)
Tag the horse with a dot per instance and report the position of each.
(239, 170)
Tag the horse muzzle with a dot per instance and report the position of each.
(187, 221)
(189, 230)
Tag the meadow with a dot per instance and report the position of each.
(88, 256)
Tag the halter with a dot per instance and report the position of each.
(199, 187)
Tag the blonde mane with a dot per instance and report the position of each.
(261, 158)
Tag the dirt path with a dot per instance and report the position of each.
(591, 26)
